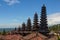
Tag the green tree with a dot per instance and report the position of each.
(4, 32)
(55, 28)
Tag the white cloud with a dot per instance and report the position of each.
(54, 18)
(12, 2)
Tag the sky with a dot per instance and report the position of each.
(14, 12)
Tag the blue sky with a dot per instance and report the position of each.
(14, 12)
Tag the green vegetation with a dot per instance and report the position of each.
(55, 28)
(4, 32)
(58, 37)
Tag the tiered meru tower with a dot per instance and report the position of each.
(42, 28)
(43, 21)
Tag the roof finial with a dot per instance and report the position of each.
(43, 5)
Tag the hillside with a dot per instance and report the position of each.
(55, 27)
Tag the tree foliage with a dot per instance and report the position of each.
(55, 27)
(4, 32)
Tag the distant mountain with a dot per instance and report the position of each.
(6, 29)
(55, 27)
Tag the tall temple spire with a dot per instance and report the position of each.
(43, 21)
(23, 26)
(44, 5)
(35, 22)
(29, 24)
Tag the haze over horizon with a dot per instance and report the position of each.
(14, 12)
